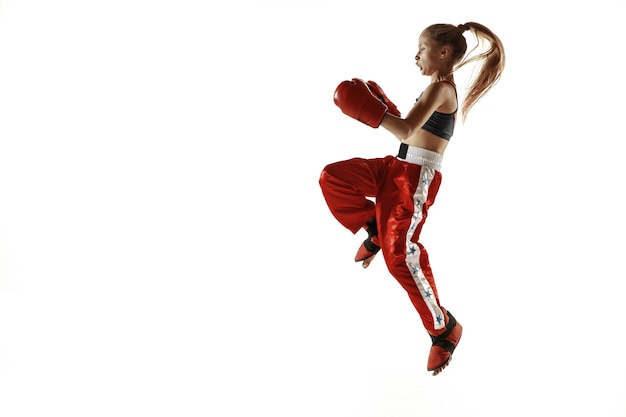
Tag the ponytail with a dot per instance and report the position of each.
(491, 69)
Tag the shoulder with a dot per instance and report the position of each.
(440, 92)
(442, 87)
(443, 95)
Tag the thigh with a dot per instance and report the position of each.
(362, 174)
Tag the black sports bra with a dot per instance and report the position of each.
(441, 124)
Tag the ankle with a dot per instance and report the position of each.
(371, 228)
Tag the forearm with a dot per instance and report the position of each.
(397, 126)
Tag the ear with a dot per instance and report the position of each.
(445, 51)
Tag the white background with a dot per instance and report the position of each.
(165, 249)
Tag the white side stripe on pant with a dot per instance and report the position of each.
(413, 250)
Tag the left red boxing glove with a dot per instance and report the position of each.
(355, 99)
(380, 94)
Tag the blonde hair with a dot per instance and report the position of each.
(492, 59)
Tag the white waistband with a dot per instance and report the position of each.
(424, 157)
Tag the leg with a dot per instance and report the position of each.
(407, 198)
(402, 209)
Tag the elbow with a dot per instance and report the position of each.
(404, 132)
(399, 127)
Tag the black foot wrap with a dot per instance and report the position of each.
(372, 231)
(440, 340)
(371, 246)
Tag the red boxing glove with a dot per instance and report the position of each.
(380, 94)
(356, 100)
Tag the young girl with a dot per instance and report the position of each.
(404, 187)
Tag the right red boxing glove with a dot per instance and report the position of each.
(355, 99)
(380, 94)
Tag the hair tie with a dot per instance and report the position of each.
(463, 27)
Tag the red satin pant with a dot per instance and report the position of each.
(402, 192)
